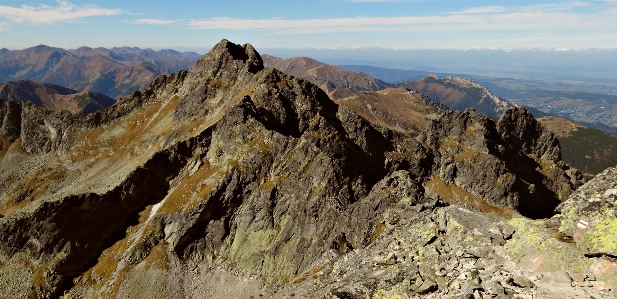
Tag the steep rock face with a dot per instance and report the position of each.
(10, 114)
(228, 166)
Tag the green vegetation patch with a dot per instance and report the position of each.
(589, 150)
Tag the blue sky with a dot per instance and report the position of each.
(412, 24)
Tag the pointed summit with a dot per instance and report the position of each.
(231, 57)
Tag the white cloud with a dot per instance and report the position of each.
(153, 22)
(371, 1)
(481, 10)
(49, 15)
(460, 21)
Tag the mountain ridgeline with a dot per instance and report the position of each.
(54, 97)
(232, 180)
(113, 72)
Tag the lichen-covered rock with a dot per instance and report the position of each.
(589, 216)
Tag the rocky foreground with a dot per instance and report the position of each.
(232, 181)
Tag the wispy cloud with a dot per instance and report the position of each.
(493, 18)
(153, 22)
(481, 10)
(370, 1)
(65, 11)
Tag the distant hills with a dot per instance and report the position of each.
(54, 97)
(397, 109)
(336, 81)
(460, 94)
(588, 149)
(591, 102)
(114, 72)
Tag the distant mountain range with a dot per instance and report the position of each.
(335, 81)
(54, 97)
(405, 107)
(114, 72)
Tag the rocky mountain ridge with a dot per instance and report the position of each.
(231, 170)
(460, 93)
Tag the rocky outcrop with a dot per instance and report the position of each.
(236, 169)
(511, 164)
(10, 115)
(589, 216)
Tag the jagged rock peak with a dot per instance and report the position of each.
(432, 76)
(228, 55)
(493, 161)
(521, 130)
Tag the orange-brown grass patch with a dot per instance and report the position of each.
(157, 258)
(104, 270)
(559, 126)
(145, 214)
(32, 187)
(190, 190)
(453, 194)
(380, 228)
(469, 133)
(467, 153)
(317, 272)
(267, 185)
(259, 142)
(298, 279)
(136, 126)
